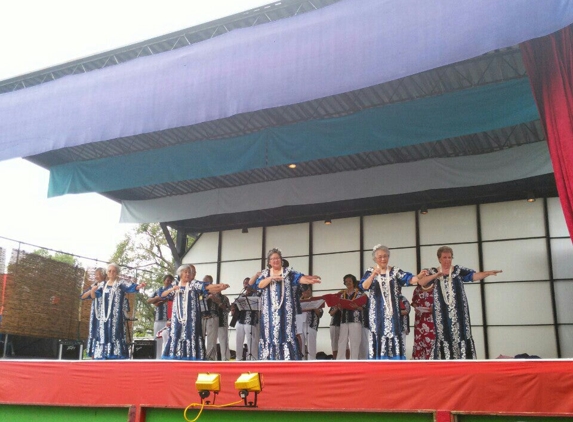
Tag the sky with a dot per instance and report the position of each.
(37, 34)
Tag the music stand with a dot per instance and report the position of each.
(308, 305)
(311, 304)
(248, 304)
(127, 319)
(203, 304)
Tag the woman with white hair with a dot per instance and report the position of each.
(385, 285)
(185, 340)
(110, 339)
(99, 278)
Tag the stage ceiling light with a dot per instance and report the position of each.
(328, 221)
(207, 383)
(530, 197)
(250, 382)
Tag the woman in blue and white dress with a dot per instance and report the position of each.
(451, 311)
(385, 287)
(99, 278)
(185, 341)
(110, 338)
(278, 286)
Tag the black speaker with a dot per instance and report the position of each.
(71, 350)
(32, 347)
(144, 349)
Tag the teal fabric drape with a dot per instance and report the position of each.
(430, 119)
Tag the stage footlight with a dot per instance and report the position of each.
(207, 383)
(250, 382)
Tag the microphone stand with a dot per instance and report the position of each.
(250, 355)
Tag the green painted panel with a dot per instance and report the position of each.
(220, 415)
(59, 414)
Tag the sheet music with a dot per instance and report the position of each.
(249, 303)
(311, 305)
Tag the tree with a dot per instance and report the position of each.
(58, 256)
(146, 252)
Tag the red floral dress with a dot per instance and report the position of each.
(424, 333)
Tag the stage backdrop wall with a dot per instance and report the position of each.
(525, 309)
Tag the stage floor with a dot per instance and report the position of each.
(437, 389)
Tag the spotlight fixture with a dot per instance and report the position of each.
(292, 166)
(245, 230)
(207, 383)
(250, 382)
(328, 221)
(424, 210)
(530, 197)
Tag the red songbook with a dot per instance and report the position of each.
(335, 299)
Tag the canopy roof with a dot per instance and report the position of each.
(383, 105)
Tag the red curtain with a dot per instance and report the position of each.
(549, 63)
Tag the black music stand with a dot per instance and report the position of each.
(308, 305)
(248, 304)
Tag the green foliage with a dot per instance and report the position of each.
(65, 258)
(58, 256)
(146, 250)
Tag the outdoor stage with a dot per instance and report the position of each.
(145, 390)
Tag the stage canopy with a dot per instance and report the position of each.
(384, 106)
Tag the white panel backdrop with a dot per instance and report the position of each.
(291, 240)
(448, 225)
(557, 225)
(519, 260)
(205, 249)
(332, 267)
(512, 220)
(393, 230)
(341, 235)
(511, 341)
(239, 245)
(514, 240)
(566, 338)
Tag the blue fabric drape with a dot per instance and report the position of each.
(429, 119)
(340, 48)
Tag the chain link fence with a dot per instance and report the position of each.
(41, 312)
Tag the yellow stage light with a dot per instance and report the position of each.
(207, 383)
(249, 382)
